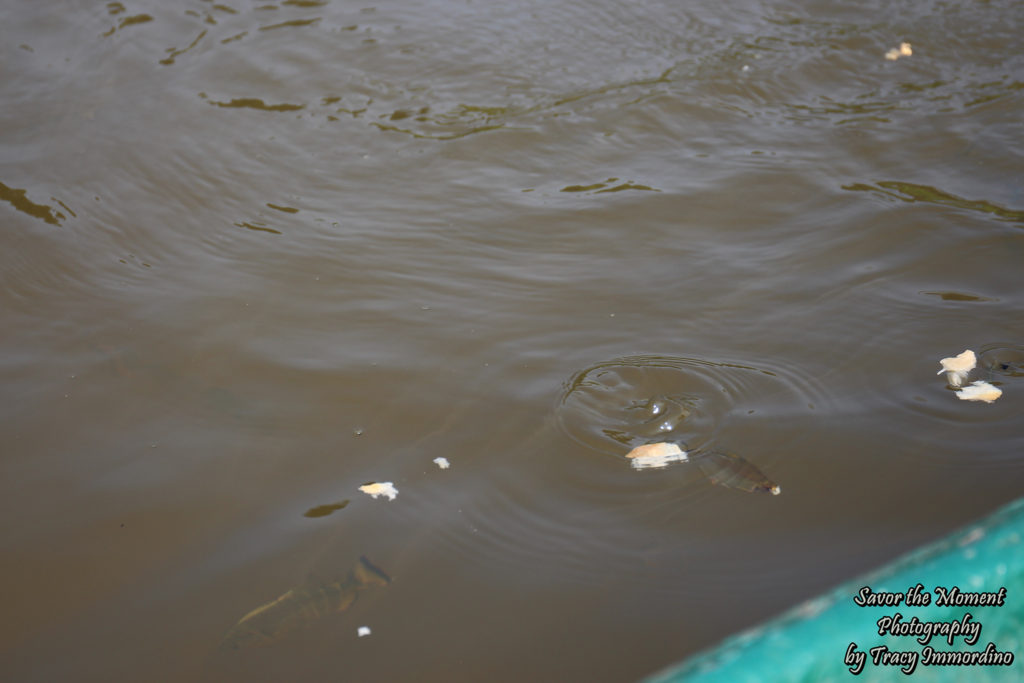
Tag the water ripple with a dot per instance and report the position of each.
(619, 404)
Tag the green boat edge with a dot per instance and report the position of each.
(810, 642)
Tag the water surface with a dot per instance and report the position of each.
(255, 255)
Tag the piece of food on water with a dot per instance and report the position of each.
(979, 391)
(380, 488)
(442, 463)
(904, 50)
(734, 472)
(656, 455)
(302, 606)
(363, 631)
(958, 367)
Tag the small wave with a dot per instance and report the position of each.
(618, 404)
(1002, 359)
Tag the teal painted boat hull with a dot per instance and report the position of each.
(812, 642)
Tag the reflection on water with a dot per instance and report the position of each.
(19, 201)
(256, 255)
(909, 192)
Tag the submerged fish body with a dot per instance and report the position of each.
(722, 469)
(303, 605)
(732, 471)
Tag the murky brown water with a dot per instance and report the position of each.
(255, 255)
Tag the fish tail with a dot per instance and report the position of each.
(367, 574)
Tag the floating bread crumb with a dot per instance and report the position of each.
(656, 455)
(442, 463)
(979, 391)
(903, 50)
(958, 367)
(383, 488)
(363, 631)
